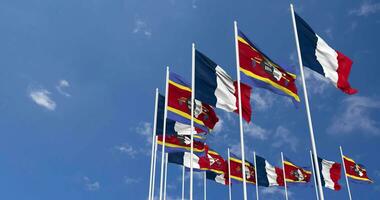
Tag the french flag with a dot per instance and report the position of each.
(183, 158)
(320, 57)
(267, 174)
(216, 88)
(330, 173)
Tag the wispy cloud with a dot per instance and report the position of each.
(274, 190)
(127, 149)
(366, 8)
(145, 129)
(91, 185)
(62, 85)
(356, 115)
(142, 28)
(42, 98)
(316, 83)
(283, 137)
(194, 4)
(256, 131)
(130, 180)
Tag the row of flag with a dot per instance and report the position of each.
(185, 117)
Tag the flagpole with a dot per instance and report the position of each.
(154, 166)
(164, 132)
(314, 178)
(204, 186)
(192, 117)
(313, 145)
(166, 174)
(183, 182)
(153, 142)
(240, 111)
(229, 176)
(345, 173)
(256, 178)
(284, 174)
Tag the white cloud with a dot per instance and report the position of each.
(91, 185)
(283, 137)
(129, 180)
(316, 83)
(145, 129)
(356, 115)
(256, 131)
(142, 27)
(62, 84)
(274, 190)
(329, 33)
(218, 126)
(194, 4)
(366, 8)
(127, 149)
(41, 97)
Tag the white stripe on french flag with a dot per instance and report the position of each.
(320, 57)
(267, 174)
(330, 173)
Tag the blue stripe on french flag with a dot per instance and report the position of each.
(267, 175)
(320, 57)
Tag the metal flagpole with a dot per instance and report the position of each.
(345, 173)
(164, 132)
(240, 111)
(154, 166)
(183, 182)
(166, 174)
(192, 117)
(256, 178)
(204, 186)
(153, 142)
(313, 145)
(284, 174)
(229, 176)
(315, 180)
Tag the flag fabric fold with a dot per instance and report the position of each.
(236, 171)
(330, 173)
(219, 178)
(259, 70)
(296, 174)
(214, 86)
(355, 171)
(267, 174)
(321, 58)
(184, 158)
(179, 143)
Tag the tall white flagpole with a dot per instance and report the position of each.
(313, 145)
(284, 174)
(183, 182)
(345, 173)
(192, 117)
(204, 186)
(229, 175)
(164, 132)
(240, 110)
(153, 142)
(154, 166)
(314, 178)
(166, 174)
(256, 178)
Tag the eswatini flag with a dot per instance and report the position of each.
(267, 174)
(321, 58)
(216, 88)
(356, 171)
(330, 173)
(237, 171)
(296, 174)
(178, 143)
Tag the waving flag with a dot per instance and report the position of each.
(296, 174)
(172, 127)
(217, 162)
(179, 105)
(176, 143)
(259, 70)
(216, 88)
(236, 171)
(183, 158)
(219, 178)
(355, 171)
(268, 175)
(330, 173)
(320, 57)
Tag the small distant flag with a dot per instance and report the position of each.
(330, 173)
(296, 174)
(355, 171)
(259, 70)
(216, 88)
(179, 105)
(236, 171)
(219, 178)
(320, 57)
(267, 174)
(183, 158)
(177, 143)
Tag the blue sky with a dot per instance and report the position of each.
(77, 88)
